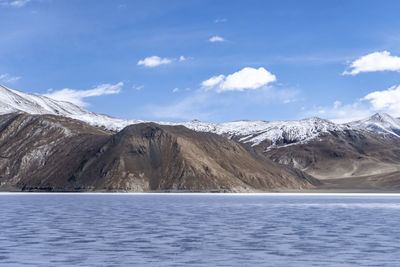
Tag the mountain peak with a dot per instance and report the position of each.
(379, 123)
(382, 117)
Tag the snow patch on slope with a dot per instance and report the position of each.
(379, 123)
(280, 133)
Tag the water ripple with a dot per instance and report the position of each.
(197, 230)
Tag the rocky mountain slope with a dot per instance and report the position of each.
(318, 147)
(342, 154)
(53, 153)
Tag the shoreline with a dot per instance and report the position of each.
(348, 194)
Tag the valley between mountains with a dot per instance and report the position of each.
(50, 145)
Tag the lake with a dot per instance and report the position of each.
(199, 230)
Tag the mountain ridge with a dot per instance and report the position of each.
(254, 132)
(54, 153)
(304, 149)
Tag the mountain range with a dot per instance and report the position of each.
(51, 145)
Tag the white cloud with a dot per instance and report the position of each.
(182, 58)
(77, 96)
(220, 20)
(15, 3)
(213, 81)
(154, 61)
(377, 61)
(6, 78)
(386, 100)
(216, 38)
(175, 90)
(247, 78)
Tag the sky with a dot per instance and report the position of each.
(213, 61)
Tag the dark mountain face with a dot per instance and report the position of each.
(43, 152)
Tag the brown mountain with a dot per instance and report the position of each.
(53, 153)
(350, 159)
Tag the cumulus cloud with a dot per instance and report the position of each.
(15, 3)
(377, 61)
(154, 61)
(77, 96)
(387, 100)
(247, 78)
(216, 38)
(182, 58)
(6, 78)
(213, 81)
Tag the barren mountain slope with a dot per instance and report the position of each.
(42, 151)
(343, 154)
(153, 157)
(45, 152)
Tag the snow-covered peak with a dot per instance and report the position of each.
(379, 123)
(16, 101)
(279, 133)
(275, 134)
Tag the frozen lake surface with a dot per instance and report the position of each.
(199, 230)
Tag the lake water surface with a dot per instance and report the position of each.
(199, 230)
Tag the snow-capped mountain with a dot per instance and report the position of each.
(16, 101)
(278, 133)
(379, 123)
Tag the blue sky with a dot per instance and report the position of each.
(279, 60)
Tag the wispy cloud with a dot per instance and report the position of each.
(194, 106)
(387, 101)
(208, 105)
(77, 96)
(216, 38)
(175, 90)
(220, 20)
(138, 88)
(247, 78)
(6, 78)
(340, 113)
(15, 3)
(377, 61)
